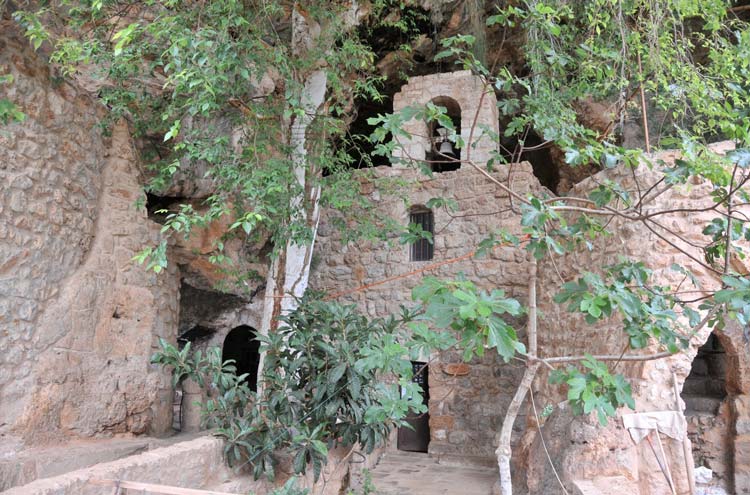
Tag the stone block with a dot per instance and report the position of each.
(742, 414)
(22, 182)
(442, 422)
(458, 437)
(17, 201)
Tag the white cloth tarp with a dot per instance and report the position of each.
(671, 423)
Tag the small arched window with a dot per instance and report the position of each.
(422, 249)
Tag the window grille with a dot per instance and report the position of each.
(423, 249)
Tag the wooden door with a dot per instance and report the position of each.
(418, 438)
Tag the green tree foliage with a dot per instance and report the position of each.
(219, 84)
(9, 112)
(690, 59)
(322, 385)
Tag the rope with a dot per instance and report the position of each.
(544, 444)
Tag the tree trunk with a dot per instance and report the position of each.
(289, 273)
(504, 451)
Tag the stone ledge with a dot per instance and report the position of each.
(194, 464)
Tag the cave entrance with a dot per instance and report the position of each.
(242, 346)
(708, 412)
(536, 151)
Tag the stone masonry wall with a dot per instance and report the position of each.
(610, 452)
(465, 409)
(48, 204)
(193, 464)
(78, 320)
(467, 401)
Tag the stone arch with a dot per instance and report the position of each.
(476, 102)
(241, 346)
(717, 407)
(434, 152)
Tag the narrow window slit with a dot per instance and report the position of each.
(423, 249)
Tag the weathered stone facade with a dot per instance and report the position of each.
(467, 402)
(465, 412)
(78, 319)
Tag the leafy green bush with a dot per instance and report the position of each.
(321, 386)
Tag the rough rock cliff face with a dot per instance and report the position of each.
(78, 320)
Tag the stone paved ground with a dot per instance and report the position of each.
(406, 473)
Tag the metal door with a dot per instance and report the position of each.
(418, 438)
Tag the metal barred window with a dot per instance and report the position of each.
(422, 249)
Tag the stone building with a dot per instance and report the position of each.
(467, 401)
(79, 320)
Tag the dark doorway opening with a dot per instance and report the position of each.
(417, 438)
(536, 151)
(705, 386)
(710, 417)
(241, 346)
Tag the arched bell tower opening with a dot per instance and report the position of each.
(242, 346)
(470, 104)
(443, 153)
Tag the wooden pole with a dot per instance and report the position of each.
(643, 107)
(656, 456)
(686, 453)
(666, 463)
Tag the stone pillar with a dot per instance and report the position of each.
(742, 445)
(161, 424)
(192, 405)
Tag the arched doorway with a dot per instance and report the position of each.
(241, 346)
(708, 411)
